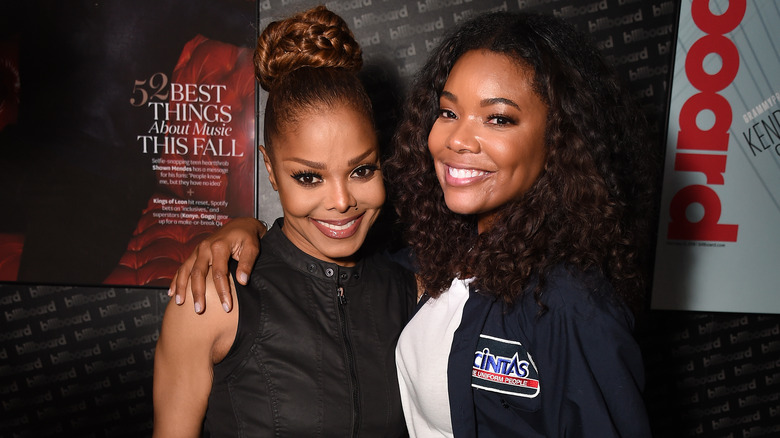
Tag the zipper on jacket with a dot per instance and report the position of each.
(342, 302)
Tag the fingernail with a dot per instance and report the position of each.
(170, 292)
(197, 307)
(225, 306)
(178, 299)
(242, 277)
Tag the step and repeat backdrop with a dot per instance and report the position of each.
(160, 153)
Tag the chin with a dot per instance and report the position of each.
(460, 206)
(345, 250)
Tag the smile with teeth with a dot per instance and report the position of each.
(456, 173)
(335, 227)
(339, 229)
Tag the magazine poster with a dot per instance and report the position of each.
(128, 135)
(718, 241)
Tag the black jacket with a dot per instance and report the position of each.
(574, 371)
(307, 361)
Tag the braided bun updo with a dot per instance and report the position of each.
(308, 63)
(314, 38)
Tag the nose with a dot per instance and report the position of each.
(341, 198)
(462, 138)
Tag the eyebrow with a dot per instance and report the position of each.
(484, 102)
(307, 163)
(321, 166)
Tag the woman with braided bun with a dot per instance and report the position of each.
(308, 349)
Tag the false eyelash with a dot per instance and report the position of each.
(372, 167)
(305, 173)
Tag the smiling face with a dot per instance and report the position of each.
(326, 169)
(488, 143)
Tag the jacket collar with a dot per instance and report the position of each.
(293, 256)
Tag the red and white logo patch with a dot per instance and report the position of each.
(502, 365)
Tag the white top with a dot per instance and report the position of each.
(421, 358)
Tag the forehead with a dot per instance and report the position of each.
(483, 71)
(326, 132)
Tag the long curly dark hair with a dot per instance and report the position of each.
(591, 206)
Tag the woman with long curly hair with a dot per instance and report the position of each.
(521, 172)
(525, 182)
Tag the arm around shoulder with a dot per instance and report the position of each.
(239, 239)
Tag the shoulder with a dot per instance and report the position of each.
(584, 322)
(583, 296)
(214, 327)
(212, 316)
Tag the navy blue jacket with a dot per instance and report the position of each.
(575, 371)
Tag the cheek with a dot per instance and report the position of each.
(528, 157)
(435, 139)
(296, 202)
(531, 163)
(537, 158)
(523, 169)
(371, 195)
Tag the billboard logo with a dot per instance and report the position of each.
(708, 146)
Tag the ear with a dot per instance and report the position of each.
(268, 167)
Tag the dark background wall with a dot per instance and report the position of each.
(77, 361)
